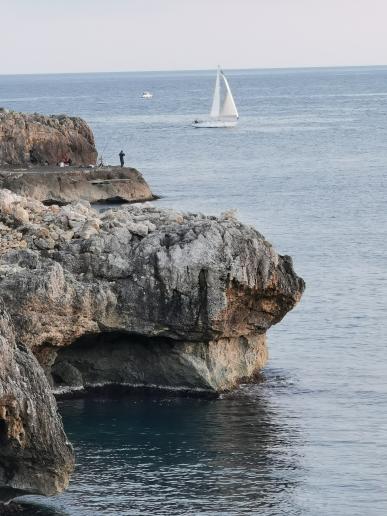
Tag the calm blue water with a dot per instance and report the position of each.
(307, 165)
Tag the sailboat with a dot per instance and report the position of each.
(223, 114)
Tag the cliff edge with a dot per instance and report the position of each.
(140, 295)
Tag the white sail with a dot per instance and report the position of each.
(228, 108)
(215, 109)
(223, 113)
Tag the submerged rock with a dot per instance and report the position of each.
(35, 457)
(38, 139)
(140, 295)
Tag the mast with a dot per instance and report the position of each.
(215, 109)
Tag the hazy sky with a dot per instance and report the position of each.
(118, 35)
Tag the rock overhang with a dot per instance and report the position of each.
(70, 271)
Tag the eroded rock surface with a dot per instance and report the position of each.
(36, 139)
(141, 295)
(64, 185)
(35, 457)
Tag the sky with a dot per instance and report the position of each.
(51, 36)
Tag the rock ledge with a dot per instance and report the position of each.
(54, 185)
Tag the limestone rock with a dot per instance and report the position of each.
(141, 295)
(54, 185)
(37, 139)
(35, 457)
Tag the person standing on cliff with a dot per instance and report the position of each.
(122, 155)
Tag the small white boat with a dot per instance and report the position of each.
(223, 113)
(146, 95)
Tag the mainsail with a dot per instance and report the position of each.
(223, 110)
(227, 109)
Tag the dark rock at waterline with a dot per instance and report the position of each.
(29, 509)
(39, 139)
(11, 508)
(139, 295)
(35, 457)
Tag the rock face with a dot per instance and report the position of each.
(35, 457)
(64, 185)
(37, 139)
(139, 295)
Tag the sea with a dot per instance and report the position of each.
(307, 166)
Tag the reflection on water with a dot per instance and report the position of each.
(209, 455)
(162, 455)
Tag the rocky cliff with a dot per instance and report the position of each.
(37, 139)
(140, 296)
(64, 185)
(35, 457)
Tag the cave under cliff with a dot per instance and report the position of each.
(115, 358)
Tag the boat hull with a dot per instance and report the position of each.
(214, 124)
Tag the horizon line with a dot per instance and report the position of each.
(182, 70)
